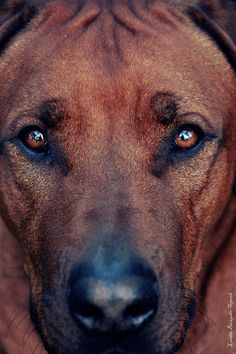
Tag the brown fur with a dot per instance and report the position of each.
(111, 76)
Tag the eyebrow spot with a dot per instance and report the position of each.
(165, 107)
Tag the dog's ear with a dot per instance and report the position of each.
(223, 13)
(15, 15)
(217, 18)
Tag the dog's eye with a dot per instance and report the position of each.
(188, 137)
(34, 138)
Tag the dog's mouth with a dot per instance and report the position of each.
(141, 343)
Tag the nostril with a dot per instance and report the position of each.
(140, 311)
(84, 309)
(87, 314)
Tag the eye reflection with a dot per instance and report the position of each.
(34, 139)
(188, 137)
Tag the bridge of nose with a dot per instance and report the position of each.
(111, 295)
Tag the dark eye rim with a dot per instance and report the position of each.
(26, 130)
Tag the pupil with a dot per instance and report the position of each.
(37, 136)
(185, 135)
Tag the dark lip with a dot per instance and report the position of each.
(115, 351)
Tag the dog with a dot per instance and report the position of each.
(117, 176)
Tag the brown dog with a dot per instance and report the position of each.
(118, 159)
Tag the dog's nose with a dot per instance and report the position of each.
(113, 300)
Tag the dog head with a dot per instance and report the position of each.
(117, 154)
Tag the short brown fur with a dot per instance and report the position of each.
(116, 79)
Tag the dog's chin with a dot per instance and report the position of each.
(55, 349)
(132, 344)
(115, 350)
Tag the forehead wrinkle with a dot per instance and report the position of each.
(134, 16)
(125, 10)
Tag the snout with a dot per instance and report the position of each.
(118, 296)
(111, 301)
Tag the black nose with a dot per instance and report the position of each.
(118, 297)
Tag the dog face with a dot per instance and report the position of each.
(117, 159)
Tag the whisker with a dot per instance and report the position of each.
(23, 317)
(26, 332)
(20, 311)
(200, 307)
(40, 343)
(29, 334)
(190, 344)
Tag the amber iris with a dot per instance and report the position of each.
(35, 140)
(187, 138)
